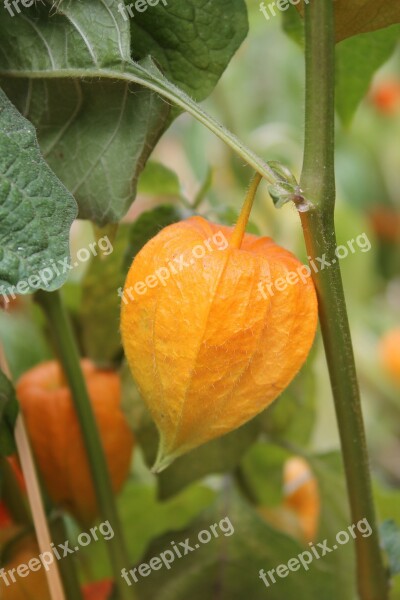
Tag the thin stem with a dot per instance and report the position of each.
(70, 360)
(318, 185)
(67, 565)
(240, 228)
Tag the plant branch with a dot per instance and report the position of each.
(70, 360)
(318, 185)
(134, 73)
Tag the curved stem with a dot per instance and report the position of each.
(240, 228)
(70, 360)
(135, 73)
(318, 185)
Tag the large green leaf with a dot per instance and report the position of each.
(192, 41)
(357, 60)
(8, 415)
(98, 134)
(36, 211)
(227, 566)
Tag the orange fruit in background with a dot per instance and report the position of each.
(209, 346)
(299, 513)
(389, 350)
(101, 590)
(56, 438)
(34, 585)
(386, 96)
(385, 222)
(302, 495)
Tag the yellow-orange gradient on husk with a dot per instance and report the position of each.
(389, 349)
(56, 438)
(209, 346)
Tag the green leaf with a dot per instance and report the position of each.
(8, 415)
(158, 180)
(292, 25)
(390, 535)
(227, 566)
(191, 41)
(36, 211)
(357, 60)
(63, 56)
(361, 16)
(292, 416)
(218, 456)
(23, 341)
(112, 139)
(144, 519)
(100, 303)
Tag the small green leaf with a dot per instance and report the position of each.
(358, 58)
(8, 416)
(390, 535)
(158, 180)
(100, 302)
(293, 25)
(36, 211)
(285, 189)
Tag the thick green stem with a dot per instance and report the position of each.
(318, 185)
(70, 360)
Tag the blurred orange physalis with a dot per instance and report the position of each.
(299, 513)
(389, 350)
(101, 590)
(213, 329)
(33, 584)
(386, 96)
(56, 437)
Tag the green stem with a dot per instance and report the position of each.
(70, 360)
(318, 185)
(12, 495)
(67, 565)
